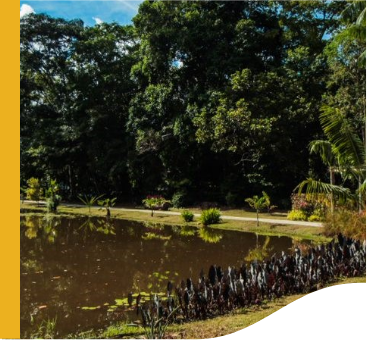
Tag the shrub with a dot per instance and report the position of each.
(179, 199)
(155, 202)
(297, 215)
(210, 216)
(107, 204)
(34, 191)
(53, 199)
(187, 216)
(347, 222)
(300, 203)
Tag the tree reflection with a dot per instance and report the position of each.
(259, 252)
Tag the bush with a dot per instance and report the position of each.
(34, 191)
(187, 216)
(53, 199)
(297, 215)
(347, 222)
(315, 218)
(179, 199)
(210, 216)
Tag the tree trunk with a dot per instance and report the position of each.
(332, 182)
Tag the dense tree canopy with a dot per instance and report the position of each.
(206, 100)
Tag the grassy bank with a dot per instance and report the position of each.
(218, 326)
(298, 233)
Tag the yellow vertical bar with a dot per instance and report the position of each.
(10, 172)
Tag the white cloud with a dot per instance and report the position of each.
(26, 9)
(98, 21)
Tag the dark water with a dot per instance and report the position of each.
(71, 263)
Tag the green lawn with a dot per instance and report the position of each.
(299, 233)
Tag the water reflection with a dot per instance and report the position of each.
(259, 252)
(69, 266)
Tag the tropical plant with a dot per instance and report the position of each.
(257, 203)
(53, 199)
(210, 216)
(187, 216)
(268, 204)
(89, 201)
(107, 204)
(344, 153)
(354, 16)
(154, 323)
(34, 191)
(154, 202)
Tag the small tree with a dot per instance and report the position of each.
(34, 191)
(107, 204)
(89, 201)
(257, 203)
(154, 202)
(53, 198)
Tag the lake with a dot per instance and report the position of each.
(79, 270)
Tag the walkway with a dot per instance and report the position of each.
(224, 217)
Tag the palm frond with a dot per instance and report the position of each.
(362, 188)
(354, 12)
(325, 149)
(315, 188)
(362, 59)
(361, 20)
(341, 134)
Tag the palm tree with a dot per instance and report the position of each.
(257, 203)
(354, 17)
(344, 153)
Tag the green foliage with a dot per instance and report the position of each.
(315, 218)
(268, 204)
(155, 326)
(89, 201)
(187, 216)
(347, 222)
(202, 92)
(258, 203)
(106, 204)
(46, 330)
(34, 191)
(53, 199)
(155, 202)
(210, 216)
(179, 199)
(297, 215)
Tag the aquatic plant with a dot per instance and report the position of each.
(34, 191)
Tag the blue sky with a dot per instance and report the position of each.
(90, 11)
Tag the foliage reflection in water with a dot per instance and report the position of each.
(81, 271)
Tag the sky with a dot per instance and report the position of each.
(92, 12)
